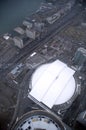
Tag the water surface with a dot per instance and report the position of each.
(12, 12)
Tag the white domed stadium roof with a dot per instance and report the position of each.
(53, 83)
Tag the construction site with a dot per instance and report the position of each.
(43, 69)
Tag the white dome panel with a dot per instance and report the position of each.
(53, 83)
(68, 92)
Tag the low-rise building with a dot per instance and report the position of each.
(16, 71)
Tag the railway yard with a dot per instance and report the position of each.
(53, 32)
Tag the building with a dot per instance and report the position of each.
(27, 24)
(34, 60)
(16, 71)
(54, 84)
(80, 58)
(32, 33)
(19, 37)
